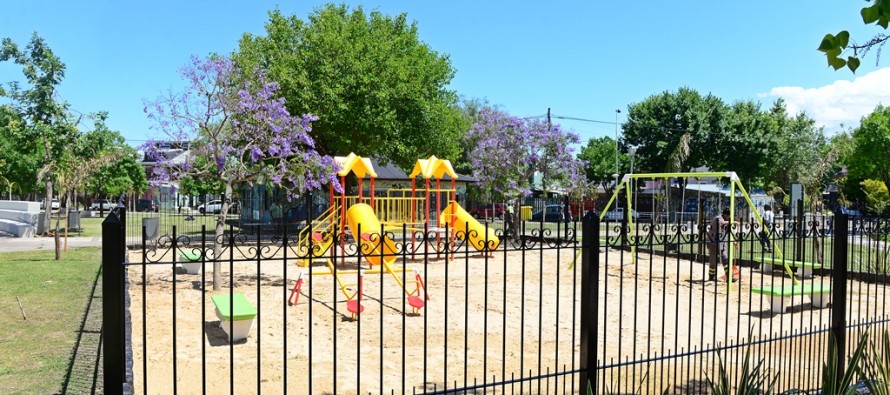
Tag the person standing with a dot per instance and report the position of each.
(718, 247)
(277, 220)
(768, 220)
(509, 216)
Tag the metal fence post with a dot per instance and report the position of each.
(839, 291)
(801, 225)
(113, 325)
(590, 264)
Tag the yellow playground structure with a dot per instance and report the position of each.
(372, 222)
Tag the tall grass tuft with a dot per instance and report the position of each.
(753, 380)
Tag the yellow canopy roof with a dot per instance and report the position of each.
(433, 168)
(356, 164)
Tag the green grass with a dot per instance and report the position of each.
(862, 258)
(92, 227)
(35, 353)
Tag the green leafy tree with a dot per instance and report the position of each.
(124, 175)
(870, 156)
(599, 158)
(748, 143)
(673, 131)
(848, 187)
(836, 46)
(373, 84)
(18, 153)
(45, 117)
(120, 176)
(800, 145)
(877, 195)
(470, 109)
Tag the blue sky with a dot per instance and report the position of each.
(582, 59)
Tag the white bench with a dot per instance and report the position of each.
(19, 217)
(820, 295)
(235, 318)
(190, 260)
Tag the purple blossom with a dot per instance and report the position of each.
(239, 128)
(508, 151)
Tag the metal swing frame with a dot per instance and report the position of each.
(734, 183)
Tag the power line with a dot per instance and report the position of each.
(570, 118)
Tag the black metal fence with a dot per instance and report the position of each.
(585, 306)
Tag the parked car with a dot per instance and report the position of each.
(54, 204)
(851, 212)
(214, 207)
(552, 213)
(102, 204)
(147, 205)
(490, 210)
(617, 215)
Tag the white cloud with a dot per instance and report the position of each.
(841, 102)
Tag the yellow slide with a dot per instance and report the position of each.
(464, 224)
(370, 238)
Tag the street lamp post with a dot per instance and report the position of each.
(617, 111)
(631, 151)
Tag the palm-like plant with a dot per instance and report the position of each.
(71, 173)
(753, 380)
(875, 367)
(831, 383)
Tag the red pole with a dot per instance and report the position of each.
(453, 210)
(359, 189)
(438, 195)
(342, 218)
(413, 212)
(372, 192)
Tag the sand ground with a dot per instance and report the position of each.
(652, 306)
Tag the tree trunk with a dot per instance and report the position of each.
(67, 212)
(48, 205)
(48, 196)
(220, 229)
(56, 238)
(517, 218)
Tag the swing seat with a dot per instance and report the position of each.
(355, 307)
(806, 268)
(416, 302)
(819, 294)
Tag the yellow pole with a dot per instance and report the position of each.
(630, 224)
(731, 238)
(611, 200)
(760, 219)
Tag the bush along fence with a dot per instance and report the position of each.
(346, 304)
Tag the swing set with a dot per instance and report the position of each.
(735, 188)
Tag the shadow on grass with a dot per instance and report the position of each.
(84, 373)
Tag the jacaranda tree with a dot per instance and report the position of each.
(240, 132)
(508, 152)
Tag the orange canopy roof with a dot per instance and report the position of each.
(356, 164)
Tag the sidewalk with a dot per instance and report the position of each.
(13, 244)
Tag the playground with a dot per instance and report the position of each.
(349, 310)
